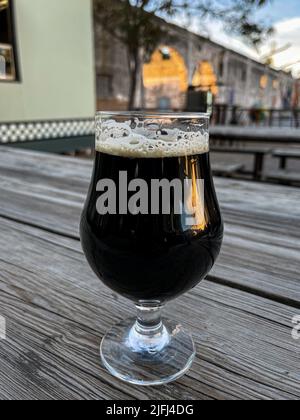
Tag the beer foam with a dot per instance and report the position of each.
(145, 139)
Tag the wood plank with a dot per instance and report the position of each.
(259, 242)
(256, 134)
(252, 261)
(284, 176)
(43, 189)
(242, 150)
(51, 208)
(57, 312)
(226, 169)
(287, 153)
(266, 205)
(46, 169)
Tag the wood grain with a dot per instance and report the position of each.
(57, 312)
(48, 191)
(256, 134)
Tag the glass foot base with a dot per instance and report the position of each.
(162, 356)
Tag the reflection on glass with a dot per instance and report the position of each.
(7, 53)
(7, 66)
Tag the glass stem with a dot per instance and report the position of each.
(148, 333)
(149, 320)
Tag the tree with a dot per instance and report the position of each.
(135, 24)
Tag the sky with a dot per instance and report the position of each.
(284, 15)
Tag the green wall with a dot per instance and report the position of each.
(56, 60)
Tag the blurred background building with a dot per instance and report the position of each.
(47, 68)
(188, 60)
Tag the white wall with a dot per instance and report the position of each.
(56, 60)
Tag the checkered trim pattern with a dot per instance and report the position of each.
(30, 131)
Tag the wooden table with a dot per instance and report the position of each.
(256, 134)
(259, 154)
(283, 155)
(57, 311)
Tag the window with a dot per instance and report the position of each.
(221, 68)
(256, 79)
(244, 74)
(264, 81)
(8, 69)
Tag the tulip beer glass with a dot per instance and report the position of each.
(151, 230)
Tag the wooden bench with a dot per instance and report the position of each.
(223, 169)
(284, 154)
(258, 153)
(284, 177)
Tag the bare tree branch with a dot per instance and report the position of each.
(133, 23)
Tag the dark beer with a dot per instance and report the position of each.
(151, 257)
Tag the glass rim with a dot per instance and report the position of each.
(155, 114)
